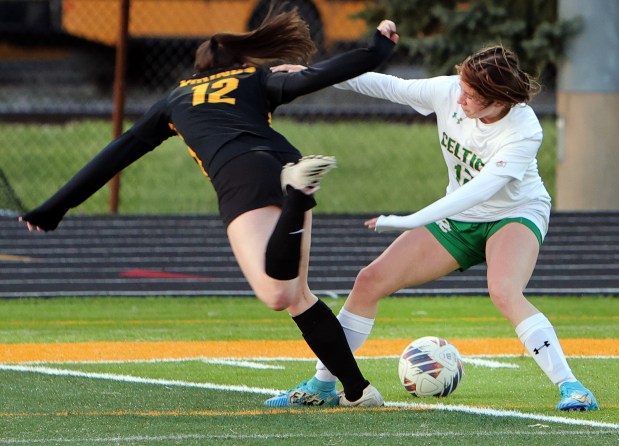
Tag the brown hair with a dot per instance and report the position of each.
(283, 35)
(495, 74)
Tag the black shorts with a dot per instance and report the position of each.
(250, 181)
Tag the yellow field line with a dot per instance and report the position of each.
(244, 413)
(127, 351)
(120, 322)
(198, 413)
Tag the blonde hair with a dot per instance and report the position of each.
(494, 73)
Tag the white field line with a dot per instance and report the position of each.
(135, 379)
(249, 364)
(247, 389)
(257, 363)
(480, 360)
(488, 363)
(528, 356)
(327, 435)
(503, 413)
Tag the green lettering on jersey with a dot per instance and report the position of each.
(463, 154)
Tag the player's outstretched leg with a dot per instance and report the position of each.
(576, 397)
(308, 393)
(305, 174)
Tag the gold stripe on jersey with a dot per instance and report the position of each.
(190, 150)
(201, 80)
(198, 160)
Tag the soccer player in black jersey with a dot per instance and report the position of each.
(264, 187)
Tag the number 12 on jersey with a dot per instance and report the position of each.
(215, 92)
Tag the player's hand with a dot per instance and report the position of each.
(371, 223)
(388, 29)
(288, 67)
(29, 225)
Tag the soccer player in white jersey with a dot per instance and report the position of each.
(496, 209)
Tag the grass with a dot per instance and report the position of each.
(191, 400)
(41, 158)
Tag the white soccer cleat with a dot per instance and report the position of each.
(371, 398)
(305, 174)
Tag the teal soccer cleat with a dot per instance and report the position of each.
(575, 397)
(312, 393)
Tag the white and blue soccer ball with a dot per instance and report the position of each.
(430, 366)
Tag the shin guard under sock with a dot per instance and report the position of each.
(323, 333)
(539, 337)
(283, 253)
(357, 329)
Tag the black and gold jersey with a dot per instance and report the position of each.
(214, 108)
(211, 112)
(218, 106)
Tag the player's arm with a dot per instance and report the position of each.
(508, 164)
(143, 137)
(479, 189)
(284, 87)
(112, 159)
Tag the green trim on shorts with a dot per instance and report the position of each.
(525, 221)
(466, 242)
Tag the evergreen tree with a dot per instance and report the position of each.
(441, 33)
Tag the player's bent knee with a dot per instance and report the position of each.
(368, 282)
(368, 276)
(277, 300)
(501, 294)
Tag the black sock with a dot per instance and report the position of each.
(325, 336)
(283, 253)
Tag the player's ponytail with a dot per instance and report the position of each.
(283, 35)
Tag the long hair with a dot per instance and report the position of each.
(495, 74)
(283, 35)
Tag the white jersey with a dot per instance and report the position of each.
(507, 147)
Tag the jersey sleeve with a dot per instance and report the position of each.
(154, 126)
(117, 155)
(424, 95)
(515, 156)
(479, 189)
(143, 137)
(284, 87)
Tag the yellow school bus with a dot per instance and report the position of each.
(97, 20)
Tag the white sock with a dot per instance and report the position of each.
(357, 329)
(539, 337)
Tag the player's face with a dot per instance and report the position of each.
(474, 107)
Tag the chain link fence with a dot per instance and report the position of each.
(57, 61)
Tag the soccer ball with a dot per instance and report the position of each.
(430, 366)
